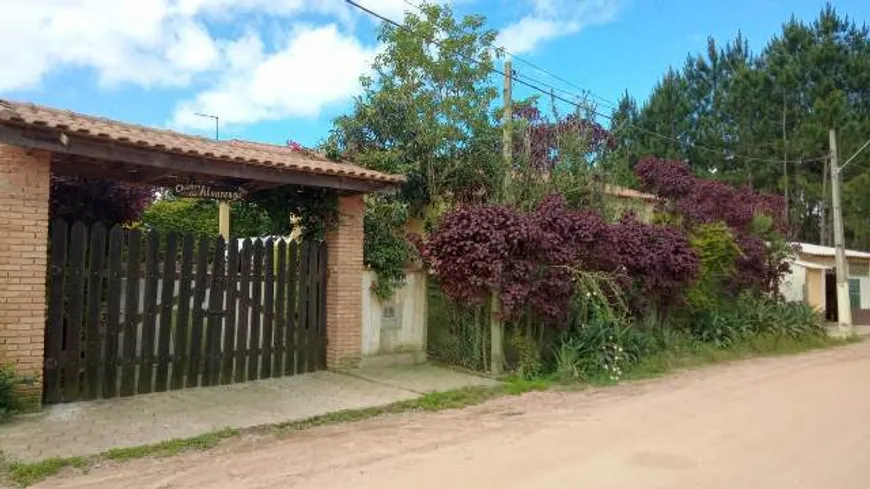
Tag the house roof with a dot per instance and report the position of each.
(811, 265)
(628, 193)
(71, 124)
(828, 251)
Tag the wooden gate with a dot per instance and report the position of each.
(132, 312)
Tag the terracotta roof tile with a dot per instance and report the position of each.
(26, 114)
(629, 193)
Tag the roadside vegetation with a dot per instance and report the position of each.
(14, 396)
(522, 240)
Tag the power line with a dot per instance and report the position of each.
(535, 85)
(542, 70)
(854, 155)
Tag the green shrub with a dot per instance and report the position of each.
(753, 314)
(718, 252)
(9, 382)
(600, 348)
(200, 217)
(528, 356)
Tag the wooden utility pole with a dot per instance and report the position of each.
(496, 321)
(844, 308)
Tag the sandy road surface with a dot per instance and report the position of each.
(790, 422)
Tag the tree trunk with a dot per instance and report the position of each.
(496, 330)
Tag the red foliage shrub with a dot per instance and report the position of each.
(477, 249)
(658, 260)
(699, 201)
(545, 135)
(667, 179)
(529, 257)
(91, 201)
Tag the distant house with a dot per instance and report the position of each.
(619, 200)
(812, 279)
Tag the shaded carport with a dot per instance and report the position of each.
(36, 142)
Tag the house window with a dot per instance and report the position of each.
(855, 293)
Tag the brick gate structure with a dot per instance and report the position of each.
(38, 142)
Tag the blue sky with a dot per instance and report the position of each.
(279, 69)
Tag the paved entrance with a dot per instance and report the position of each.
(86, 428)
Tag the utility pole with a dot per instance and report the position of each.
(507, 130)
(496, 321)
(844, 308)
(785, 162)
(823, 207)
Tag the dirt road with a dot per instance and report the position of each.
(790, 422)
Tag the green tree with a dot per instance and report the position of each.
(767, 117)
(200, 217)
(619, 162)
(666, 113)
(424, 112)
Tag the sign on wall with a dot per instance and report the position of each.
(223, 192)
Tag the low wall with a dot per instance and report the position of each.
(398, 325)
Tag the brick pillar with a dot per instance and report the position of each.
(344, 285)
(24, 186)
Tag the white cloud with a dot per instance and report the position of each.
(317, 66)
(176, 43)
(121, 41)
(143, 42)
(550, 19)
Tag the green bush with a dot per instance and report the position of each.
(200, 217)
(718, 253)
(753, 314)
(528, 356)
(600, 348)
(9, 383)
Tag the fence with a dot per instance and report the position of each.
(132, 312)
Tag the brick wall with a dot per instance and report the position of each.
(344, 285)
(24, 187)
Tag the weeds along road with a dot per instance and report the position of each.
(787, 422)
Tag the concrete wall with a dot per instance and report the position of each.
(399, 324)
(793, 283)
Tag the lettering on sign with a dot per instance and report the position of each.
(209, 192)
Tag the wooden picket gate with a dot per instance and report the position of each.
(132, 312)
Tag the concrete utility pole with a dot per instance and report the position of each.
(507, 128)
(496, 322)
(844, 308)
(785, 163)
